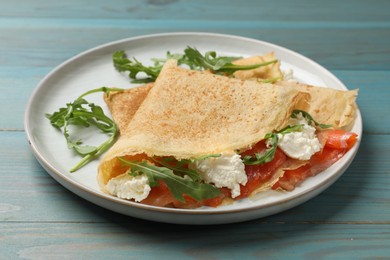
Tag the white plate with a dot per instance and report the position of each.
(94, 68)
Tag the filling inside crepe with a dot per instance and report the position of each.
(194, 139)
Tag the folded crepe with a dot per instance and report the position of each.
(328, 106)
(187, 114)
(124, 104)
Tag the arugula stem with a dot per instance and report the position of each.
(102, 89)
(100, 150)
(309, 118)
(246, 67)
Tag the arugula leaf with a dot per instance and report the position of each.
(82, 113)
(216, 64)
(272, 144)
(209, 61)
(272, 139)
(177, 185)
(270, 80)
(181, 166)
(265, 157)
(191, 57)
(122, 63)
(309, 118)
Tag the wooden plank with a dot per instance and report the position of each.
(248, 10)
(141, 240)
(26, 190)
(373, 98)
(333, 47)
(16, 86)
(351, 219)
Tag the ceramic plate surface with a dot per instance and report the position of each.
(94, 69)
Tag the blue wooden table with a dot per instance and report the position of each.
(41, 219)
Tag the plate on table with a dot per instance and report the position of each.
(94, 69)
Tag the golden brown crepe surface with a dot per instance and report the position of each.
(124, 104)
(189, 113)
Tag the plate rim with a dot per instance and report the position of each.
(72, 184)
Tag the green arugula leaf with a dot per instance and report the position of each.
(221, 65)
(209, 61)
(82, 113)
(134, 67)
(265, 157)
(309, 118)
(177, 185)
(272, 140)
(181, 166)
(271, 80)
(191, 57)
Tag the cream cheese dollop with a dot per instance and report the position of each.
(129, 187)
(300, 145)
(227, 170)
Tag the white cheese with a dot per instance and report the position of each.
(129, 187)
(300, 145)
(288, 75)
(228, 170)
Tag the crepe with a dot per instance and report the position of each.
(124, 104)
(328, 106)
(188, 114)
